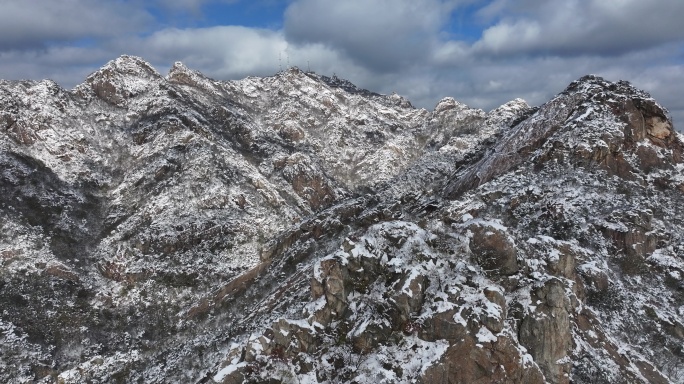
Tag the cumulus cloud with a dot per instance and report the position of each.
(41, 23)
(233, 52)
(224, 52)
(384, 35)
(580, 27)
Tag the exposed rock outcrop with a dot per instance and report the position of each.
(546, 331)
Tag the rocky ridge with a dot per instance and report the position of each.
(296, 228)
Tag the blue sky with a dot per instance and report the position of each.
(482, 52)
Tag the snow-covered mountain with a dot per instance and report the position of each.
(296, 228)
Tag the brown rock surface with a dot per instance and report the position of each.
(493, 249)
(546, 331)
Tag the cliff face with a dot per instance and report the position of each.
(297, 228)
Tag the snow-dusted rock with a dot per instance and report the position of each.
(298, 228)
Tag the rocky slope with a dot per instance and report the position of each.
(299, 229)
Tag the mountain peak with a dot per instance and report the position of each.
(178, 67)
(591, 114)
(346, 85)
(643, 116)
(132, 65)
(122, 78)
(179, 73)
(448, 103)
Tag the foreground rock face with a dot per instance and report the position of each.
(546, 331)
(299, 229)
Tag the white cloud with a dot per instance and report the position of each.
(234, 52)
(384, 35)
(224, 52)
